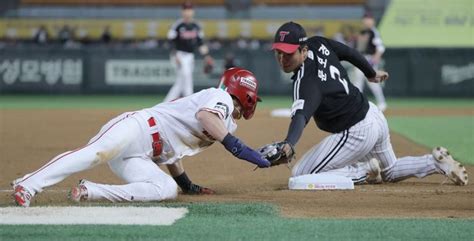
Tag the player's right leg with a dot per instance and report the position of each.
(340, 151)
(109, 143)
(177, 88)
(146, 182)
(361, 172)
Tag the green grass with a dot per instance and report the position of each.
(252, 222)
(430, 103)
(105, 101)
(142, 101)
(454, 132)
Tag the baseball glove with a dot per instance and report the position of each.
(275, 154)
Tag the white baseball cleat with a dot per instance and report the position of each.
(374, 175)
(22, 196)
(451, 168)
(79, 193)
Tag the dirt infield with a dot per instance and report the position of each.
(29, 138)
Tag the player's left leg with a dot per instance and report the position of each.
(341, 150)
(146, 182)
(361, 172)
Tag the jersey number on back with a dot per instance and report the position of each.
(335, 74)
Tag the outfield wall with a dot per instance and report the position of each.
(414, 72)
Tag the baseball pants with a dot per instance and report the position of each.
(347, 153)
(122, 144)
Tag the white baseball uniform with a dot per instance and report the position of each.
(125, 143)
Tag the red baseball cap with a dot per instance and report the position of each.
(289, 37)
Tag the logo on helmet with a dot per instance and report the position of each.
(248, 82)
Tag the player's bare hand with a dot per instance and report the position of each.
(380, 76)
(207, 191)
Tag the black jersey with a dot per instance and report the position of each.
(369, 41)
(186, 36)
(322, 90)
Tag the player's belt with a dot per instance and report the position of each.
(156, 144)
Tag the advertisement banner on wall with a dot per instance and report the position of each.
(45, 73)
(434, 23)
(139, 72)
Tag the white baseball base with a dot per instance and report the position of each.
(320, 182)
(281, 113)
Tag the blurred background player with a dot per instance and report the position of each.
(369, 43)
(186, 35)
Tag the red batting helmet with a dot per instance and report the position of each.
(241, 84)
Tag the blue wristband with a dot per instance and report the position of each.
(233, 144)
(241, 151)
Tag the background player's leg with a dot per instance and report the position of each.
(358, 79)
(188, 74)
(110, 142)
(146, 182)
(177, 87)
(377, 91)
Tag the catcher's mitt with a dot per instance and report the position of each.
(275, 154)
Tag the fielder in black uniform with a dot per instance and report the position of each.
(186, 35)
(359, 146)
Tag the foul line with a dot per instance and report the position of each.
(91, 215)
